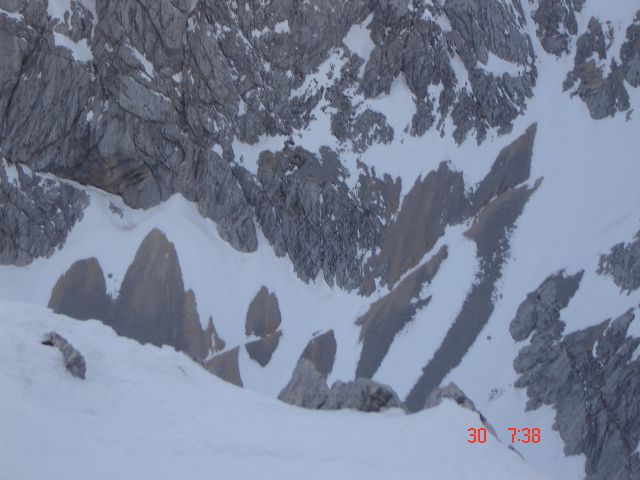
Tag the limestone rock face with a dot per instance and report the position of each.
(160, 96)
(161, 92)
(556, 20)
(589, 376)
(36, 214)
(602, 88)
(74, 362)
(622, 264)
(307, 387)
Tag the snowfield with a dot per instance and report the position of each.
(151, 413)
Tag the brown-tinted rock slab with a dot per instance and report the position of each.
(226, 366)
(432, 204)
(321, 351)
(389, 315)
(81, 292)
(262, 350)
(152, 306)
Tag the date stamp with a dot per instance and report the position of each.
(523, 436)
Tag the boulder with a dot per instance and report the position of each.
(308, 389)
(73, 360)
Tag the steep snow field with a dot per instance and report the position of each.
(146, 412)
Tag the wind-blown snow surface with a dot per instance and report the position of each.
(146, 412)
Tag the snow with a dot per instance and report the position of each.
(10, 171)
(12, 15)
(58, 8)
(398, 107)
(281, 27)
(498, 66)
(80, 50)
(359, 41)
(146, 412)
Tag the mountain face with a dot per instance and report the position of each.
(410, 192)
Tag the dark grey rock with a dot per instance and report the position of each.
(556, 20)
(73, 361)
(306, 211)
(589, 376)
(453, 392)
(36, 214)
(172, 83)
(630, 54)
(308, 389)
(622, 264)
(541, 310)
(604, 93)
(363, 395)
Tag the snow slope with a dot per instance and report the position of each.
(146, 412)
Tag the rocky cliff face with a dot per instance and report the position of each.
(147, 99)
(291, 127)
(590, 377)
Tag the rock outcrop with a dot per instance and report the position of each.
(74, 362)
(590, 378)
(154, 97)
(622, 264)
(453, 392)
(604, 88)
(308, 388)
(36, 214)
(556, 21)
